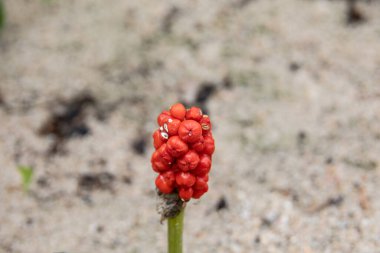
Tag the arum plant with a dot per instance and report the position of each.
(183, 146)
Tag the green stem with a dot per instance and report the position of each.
(2, 14)
(175, 228)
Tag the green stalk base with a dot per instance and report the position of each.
(175, 228)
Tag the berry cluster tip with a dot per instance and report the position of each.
(183, 152)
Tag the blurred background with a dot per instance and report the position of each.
(292, 88)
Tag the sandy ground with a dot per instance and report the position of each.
(294, 98)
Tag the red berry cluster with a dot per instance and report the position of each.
(184, 146)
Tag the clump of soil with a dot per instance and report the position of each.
(68, 120)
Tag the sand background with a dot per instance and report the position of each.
(293, 90)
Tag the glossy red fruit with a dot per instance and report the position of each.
(171, 126)
(198, 193)
(189, 161)
(165, 182)
(169, 176)
(190, 131)
(204, 166)
(209, 145)
(185, 193)
(200, 184)
(160, 166)
(176, 147)
(199, 145)
(185, 179)
(204, 177)
(158, 163)
(164, 154)
(157, 139)
(163, 117)
(205, 124)
(155, 156)
(194, 113)
(178, 111)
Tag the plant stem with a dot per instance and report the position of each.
(175, 228)
(2, 14)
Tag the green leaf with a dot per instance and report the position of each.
(26, 173)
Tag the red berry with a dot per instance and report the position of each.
(185, 193)
(169, 176)
(157, 139)
(165, 182)
(199, 145)
(171, 126)
(194, 113)
(185, 179)
(200, 184)
(198, 193)
(155, 156)
(204, 166)
(160, 166)
(176, 147)
(205, 124)
(163, 117)
(190, 131)
(204, 177)
(189, 161)
(164, 154)
(178, 111)
(209, 145)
